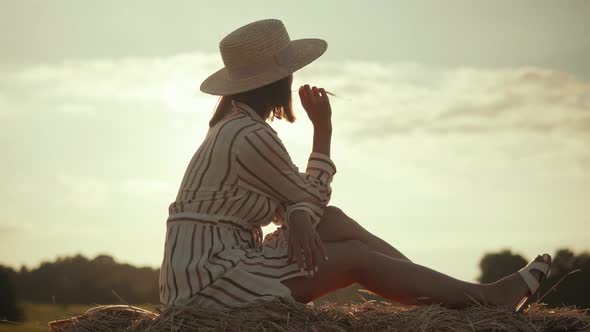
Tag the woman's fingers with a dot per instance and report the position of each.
(307, 91)
(305, 96)
(297, 254)
(319, 252)
(315, 94)
(304, 253)
(307, 251)
(309, 257)
(322, 249)
(290, 253)
(316, 255)
(323, 94)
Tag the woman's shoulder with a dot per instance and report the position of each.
(235, 131)
(237, 125)
(261, 138)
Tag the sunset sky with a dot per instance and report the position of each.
(461, 127)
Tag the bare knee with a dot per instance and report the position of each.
(332, 211)
(337, 226)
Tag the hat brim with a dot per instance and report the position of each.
(293, 57)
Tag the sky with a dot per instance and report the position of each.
(460, 128)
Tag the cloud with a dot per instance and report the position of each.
(170, 83)
(146, 188)
(83, 192)
(530, 99)
(373, 98)
(76, 109)
(390, 99)
(11, 229)
(376, 101)
(533, 119)
(105, 142)
(387, 102)
(91, 192)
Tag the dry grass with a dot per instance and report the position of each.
(282, 315)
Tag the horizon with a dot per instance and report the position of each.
(458, 130)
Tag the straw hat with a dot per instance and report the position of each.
(258, 54)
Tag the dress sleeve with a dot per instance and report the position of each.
(266, 167)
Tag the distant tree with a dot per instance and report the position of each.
(9, 308)
(78, 280)
(575, 288)
(495, 266)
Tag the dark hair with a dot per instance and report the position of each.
(272, 98)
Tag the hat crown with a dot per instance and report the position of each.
(253, 43)
(258, 54)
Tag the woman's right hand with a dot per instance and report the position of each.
(317, 105)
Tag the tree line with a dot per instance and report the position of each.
(573, 270)
(80, 280)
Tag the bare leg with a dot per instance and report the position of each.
(337, 226)
(398, 280)
(411, 283)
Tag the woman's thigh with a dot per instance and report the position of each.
(345, 260)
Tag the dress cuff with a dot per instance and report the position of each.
(314, 211)
(319, 164)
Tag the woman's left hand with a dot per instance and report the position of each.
(304, 240)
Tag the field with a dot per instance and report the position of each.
(39, 314)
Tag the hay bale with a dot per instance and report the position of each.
(283, 315)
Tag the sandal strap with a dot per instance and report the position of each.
(541, 267)
(530, 280)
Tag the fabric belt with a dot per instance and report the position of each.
(256, 231)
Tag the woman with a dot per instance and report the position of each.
(241, 178)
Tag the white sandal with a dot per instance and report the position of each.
(531, 281)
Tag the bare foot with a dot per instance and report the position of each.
(509, 290)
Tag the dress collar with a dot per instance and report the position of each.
(251, 112)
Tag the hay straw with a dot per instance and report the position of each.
(284, 315)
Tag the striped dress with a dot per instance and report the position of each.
(240, 179)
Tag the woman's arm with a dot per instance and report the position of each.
(317, 106)
(322, 137)
(265, 166)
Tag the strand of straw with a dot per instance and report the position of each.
(327, 92)
(559, 282)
